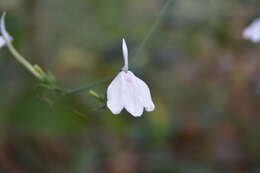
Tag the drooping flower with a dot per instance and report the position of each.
(252, 32)
(128, 91)
(4, 37)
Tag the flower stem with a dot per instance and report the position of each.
(89, 86)
(24, 62)
(158, 20)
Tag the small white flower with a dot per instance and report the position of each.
(4, 37)
(128, 91)
(252, 32)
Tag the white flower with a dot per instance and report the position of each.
(252, 32)
(128, 91)
(4, 37)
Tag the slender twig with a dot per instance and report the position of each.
(90, 86)
(164, 9)
(24, 62)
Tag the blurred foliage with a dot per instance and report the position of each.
(203, 76)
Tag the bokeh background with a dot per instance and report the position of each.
(204, 78)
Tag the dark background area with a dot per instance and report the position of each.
(204, 79)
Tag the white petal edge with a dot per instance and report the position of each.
(3, 30)
(144, 94)
(114, 102)
(252, 32)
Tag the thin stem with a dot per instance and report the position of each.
(153, 29)
(42, 77)
(88, 87)
(24, 62)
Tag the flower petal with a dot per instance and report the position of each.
(3, 30)
(114, 101)
(130, 95)
(125, 55)
(252, 32)
(144, 94)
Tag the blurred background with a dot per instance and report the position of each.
(204, 79)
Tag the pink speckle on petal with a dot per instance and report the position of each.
(128, 78)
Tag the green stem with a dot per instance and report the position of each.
(88, 87)
(162, 12)
(24, 62)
